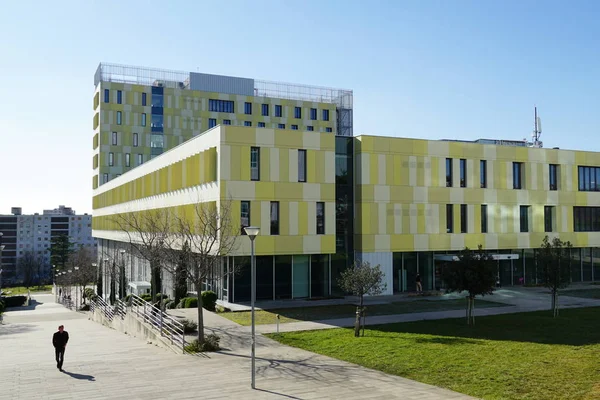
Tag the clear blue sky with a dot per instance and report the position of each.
(428, 69)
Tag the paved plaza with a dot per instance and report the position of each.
(101, 363)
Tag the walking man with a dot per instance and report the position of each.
(418, 282)
(59, 341)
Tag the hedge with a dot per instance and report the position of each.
(14, 301)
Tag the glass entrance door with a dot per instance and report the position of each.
(300, 276)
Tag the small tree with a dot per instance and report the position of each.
(361, 279)
(181, 290)
(98, 276)
(60, 250)
(555, 259)
(28, 266)
(474, 272)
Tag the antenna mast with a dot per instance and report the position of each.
(537, 130)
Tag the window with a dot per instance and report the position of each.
(517, 175)
(157, 123)
(143, 119)
(301, 165)
(247, 123)
(294, 127)
(280, 126)
(212, 122)
(144, 99)
(310, 128)
(255, 163)
(111, 159)
(589, 179)
(226, 122)
(127, 159)
(484, 218)
(119, 97)
(265, 110)
(483, 173)
(278, 111)
(328, 129)
(325, 115)
(140, 159)
(119, 117)
(245, 215)
(220, 105)
(274, 218)
(135, 140)
(115, 138)
(247, 108)
(104, 179)
(463, 218)
(548, 218)
(261, 124)
(297, 112)
(524, 218)
(313, 114)
(320, 218)
(463, 172)
(106, 95)
(586, 219)
(448, 172)
(552, 178)
(449, 218)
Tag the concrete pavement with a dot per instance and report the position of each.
(101, 363)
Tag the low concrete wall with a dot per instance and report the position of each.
(132, 326)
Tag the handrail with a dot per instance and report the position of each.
(166, 325)
(106, 309)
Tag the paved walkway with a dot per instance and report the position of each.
(101, 363)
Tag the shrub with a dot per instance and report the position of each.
(211, 343)
(160, 296)
(190, 302)
(171, 305)
(189, 326)
(14, 301)
(181, 303)
(146, 297)
(2, 307)
(90, 294)
(85, 307)
(209, 300)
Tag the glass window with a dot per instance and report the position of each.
(245, 215)
(294, 127)
(524, 218)
(325, 115)
(106, 95)
(140, 159)
(247, 123)
(297, 112)
(104, 180)
(548, 219)
(580, 172)
(274, 218)
(463, 172)
(313, 114)
(127, 159)
(144, 98)
(320, 218)
(143, 119)
(255, 163)
(448, 172)
(119, 117)
(157, 122)
(220, 105)
(115, 138)
(283, 277)
(586, 219)
(463, 218)
(226, 122)
(157, 100)
(449, 218)
(310, 128)
(111, 159)
(119, 97)
(265, 110)
(212, 122)
(586, 178)
(553, 172)
(517, 175)
(261, 124)
(301, 165)
(484, 218)
(247, 108)
(135, 140)
(278, 111)
(328, 129)
(483, 173)
(280, 126)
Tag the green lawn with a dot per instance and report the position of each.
(348, 311)
(18, 290)
(512, 356)
(584, 293)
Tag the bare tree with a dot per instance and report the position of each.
(149, 235)
(85, 273)
(555, 259)
(27, 266)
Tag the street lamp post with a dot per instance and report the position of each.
(105, 278)
(122, 275)
(252, 232)
(1, 248)
(76, 288)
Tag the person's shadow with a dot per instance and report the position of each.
(80, 376)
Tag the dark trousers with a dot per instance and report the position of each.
(60, 356)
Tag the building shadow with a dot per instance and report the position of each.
(80, 376)
(14, 329)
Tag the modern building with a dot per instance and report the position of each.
(323, 197)
(33, 234)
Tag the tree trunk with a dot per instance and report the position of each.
(200, 314)
(468, 308)
(555, 303)
(473, 310)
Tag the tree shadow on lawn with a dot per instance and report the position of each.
(573, 327)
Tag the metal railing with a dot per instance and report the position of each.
(107, 309)
(167, 326)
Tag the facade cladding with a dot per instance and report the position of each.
(408, 205)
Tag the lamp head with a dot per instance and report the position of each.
(252, 231)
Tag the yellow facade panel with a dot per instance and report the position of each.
(302, 218)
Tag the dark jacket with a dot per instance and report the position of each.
(59, 340)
